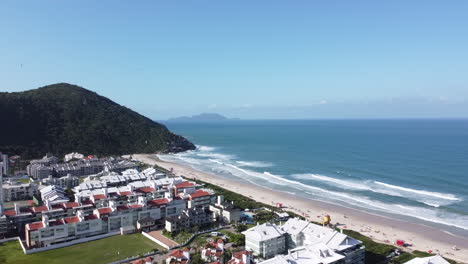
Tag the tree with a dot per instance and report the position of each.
(197, 259)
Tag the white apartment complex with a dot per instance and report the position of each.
(266, 240)
(14, 191)
(305, 241)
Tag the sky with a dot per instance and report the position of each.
(249, 59)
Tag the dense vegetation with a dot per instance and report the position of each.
(63, 118)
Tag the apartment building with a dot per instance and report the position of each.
(14, 191)
(224, 211)
(265, 240)
(190, 217)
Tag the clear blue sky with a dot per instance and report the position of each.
(248, 59)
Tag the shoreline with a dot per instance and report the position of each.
(379, 228)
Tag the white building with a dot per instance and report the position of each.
(73, 155)
(300, 233)
(265, 240)
(14, 191)
(315, 254)
(428, 260)
(65, 182)
(225, 211)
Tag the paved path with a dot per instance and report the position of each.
(159, 236)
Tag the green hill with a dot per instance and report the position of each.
(62, 118)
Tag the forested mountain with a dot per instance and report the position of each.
(63, 118)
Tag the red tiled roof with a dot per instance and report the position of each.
(10, 213)
(199, 193)
(122, 207)
(126, 193)
(26, 210)
(135, 206)
(146, 190)
(71, 220)
(138, 261)
(106, 210)
(39, 209)
(30, 202)
(185, 184)
(159, 201)
(99, 196)
(91, 217)
(177, 254)
(87, 202)
(57, 206)
(56, 222)
(148, 259)
(70, 205)
(34, 226)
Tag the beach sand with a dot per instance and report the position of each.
(379, 228)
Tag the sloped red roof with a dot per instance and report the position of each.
(56, 222)
(38, 209)
(10, 213)
(70, 205)
(71, 220)
(91, 217)
(106, 210)
(146, 190)
(122, 207)
(87, 202)
(135, 206)
(199, 193)
(185, 184)
(126, 193)
(34, 226)
(99, 196)
(178, 253)
(159, 201)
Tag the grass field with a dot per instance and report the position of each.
(96, 252)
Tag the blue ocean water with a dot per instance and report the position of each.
(408, 169)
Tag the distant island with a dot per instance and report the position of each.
(63, 118)
(204, 117)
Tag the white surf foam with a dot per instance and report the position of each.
(422, 192)
(215, 155)
(255, 164)
(205, 148)
(341, 183)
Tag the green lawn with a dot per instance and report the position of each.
(98, 251)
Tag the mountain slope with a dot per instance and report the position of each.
(62, 118)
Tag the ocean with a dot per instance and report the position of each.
(413, 170)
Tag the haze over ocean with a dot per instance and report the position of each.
(414, 170)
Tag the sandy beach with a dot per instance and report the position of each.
(379, 228)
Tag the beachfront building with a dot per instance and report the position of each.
(190, 217)
(14, 191)
(428, 260)
(301, 233)
(241, 257)
(224, 211)
(179, 256)
(313, 254)
(198, 198)
(265, 240)
(139, 204)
